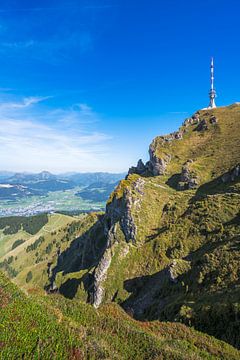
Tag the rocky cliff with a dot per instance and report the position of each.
(171, 224)
(167, 247)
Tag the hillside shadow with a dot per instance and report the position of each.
(70, 287)
(217, 186)
(158, 231)
(150, 295)
(234, 221)
(173, 181)
(84, 253)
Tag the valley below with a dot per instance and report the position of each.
(32, 194)
(63, 200)
(153, 276)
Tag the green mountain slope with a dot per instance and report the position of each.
(174, 254)
(171, 231)
(53, 327)
(27, 258)
(168, 246)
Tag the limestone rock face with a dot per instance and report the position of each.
(100, 275)
(140, 169)
(188, 179)
(192, 120)
(119, 212)
(202, 126)
(157, 165)
(231, 175)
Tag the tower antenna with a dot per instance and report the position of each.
(212, 92)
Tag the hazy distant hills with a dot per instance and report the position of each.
(13, 192)
(5, 175)
(25, 178)
(13, 186)
(86, 179)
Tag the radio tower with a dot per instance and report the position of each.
(212, 93)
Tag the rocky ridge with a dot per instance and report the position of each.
(120, 217)
(118, 214)
(167, 246)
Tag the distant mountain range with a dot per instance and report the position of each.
(13, 192)
(18, 185)
(5, 175)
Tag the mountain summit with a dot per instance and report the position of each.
(167, 247)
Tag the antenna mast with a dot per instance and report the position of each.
(212, 93)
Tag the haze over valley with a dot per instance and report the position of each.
(31, 194)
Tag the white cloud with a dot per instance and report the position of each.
(25, 103)
(52, 50)
(56, 140)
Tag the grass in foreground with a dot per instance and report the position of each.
(53, 327)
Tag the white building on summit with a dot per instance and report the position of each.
(212, 92)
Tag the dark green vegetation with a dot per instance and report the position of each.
(36, 244)
(167, 248)
(7, 267)
(29, 276)
(17, 243)
(32, 225)
(52, 327)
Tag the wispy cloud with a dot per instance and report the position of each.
(26, 102)
(52, 50)
(62, 142)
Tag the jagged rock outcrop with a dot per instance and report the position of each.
(188, 179)
(120, 210)
(155, 166)
(213, 120)
(100, 275)
(119, 213)
(140, 169)
(192, 120)
(202, 126)
(231, 175)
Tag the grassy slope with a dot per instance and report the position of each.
(196, 230)
(56, 234)
(213, 151)
(6, 241)
(63, 329)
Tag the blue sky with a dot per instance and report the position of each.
(86, 85)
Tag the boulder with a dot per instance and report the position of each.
(231, 175)
(188, 179)
(213, 120)
(202, 126)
